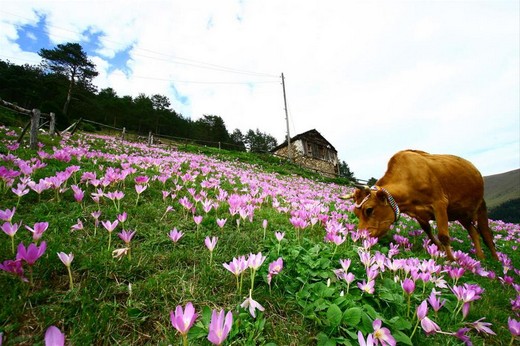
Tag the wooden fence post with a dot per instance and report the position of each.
(35, 124)
(150, 140)
(52, 125)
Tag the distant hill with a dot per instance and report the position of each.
(502, 195)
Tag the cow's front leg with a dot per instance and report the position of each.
(441, 216)
(425, 225)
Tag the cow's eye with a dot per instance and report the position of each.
(369, 211)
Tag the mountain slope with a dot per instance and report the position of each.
(502, 195)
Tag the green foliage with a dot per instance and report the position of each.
(128, 301)
(507, 211)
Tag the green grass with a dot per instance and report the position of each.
(127, 302)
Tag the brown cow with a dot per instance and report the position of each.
(427, 187)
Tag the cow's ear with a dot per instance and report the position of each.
(380, 194)
(359, 194)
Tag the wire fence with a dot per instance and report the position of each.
(40, 120)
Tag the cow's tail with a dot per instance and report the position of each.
(483, 228)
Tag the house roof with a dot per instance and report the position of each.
(312, 136)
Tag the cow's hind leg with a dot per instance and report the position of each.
(484, 230)
(474, 234)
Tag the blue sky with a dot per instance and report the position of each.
(373, 77)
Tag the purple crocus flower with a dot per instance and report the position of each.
(197, 219)
(110, 226)
(382, 334)
(221, 222)
(183, 320)
(237, 265)
(275, 268)
(13, 267)
(211, 243)
(367, 287)
(175, 235)
(427, 325)
(7, 215)
(11, 228)
(514, 327)
(54, 337)
(219, 326)
(126, 236)
(483, 327)
(408, 285)
(435, 302)
(38, 229)
(368, 342)
(31, 253)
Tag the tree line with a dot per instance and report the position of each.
(62, 83)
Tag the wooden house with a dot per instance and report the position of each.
(311, 150)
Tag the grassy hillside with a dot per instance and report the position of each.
(500, 188)
(502, 195)
(155, 229)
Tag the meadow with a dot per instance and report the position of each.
(107, 242)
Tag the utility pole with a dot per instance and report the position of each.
(289, 151)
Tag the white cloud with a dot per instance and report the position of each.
(373, 77)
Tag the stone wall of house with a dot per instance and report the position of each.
(325, 168)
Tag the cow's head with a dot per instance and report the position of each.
(373, 209)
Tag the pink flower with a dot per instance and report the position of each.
(11, 229)
(435, 303)
(255, 261)
(78, 193)
(345, 264)
(197, 219)
(219, 326)
(183, 320)
(279, 235)
(275, 268)
(38, 229)
(221, 222)
(78, 226)
(514, 326)
(211, 243)
(140, 188)
(20, 190)
(408, 286)
(14, 267)
(252, 304)
(110, 226)
(7, 215)
(54, 337)
(175, 235)
(482, 326)
(122, 217)
(237, 265)
(427, 325)
(66, 259)
(126, 236)
(31, 253)
(382, 334)
(368, 342)
(142, 179)
(367, 287)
